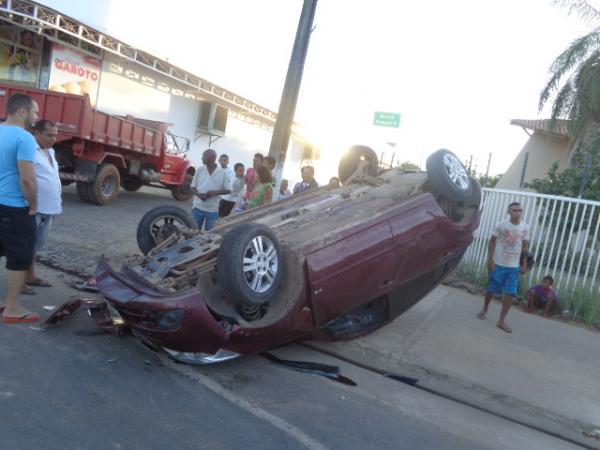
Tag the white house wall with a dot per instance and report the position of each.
(544, 150)
(121, 95)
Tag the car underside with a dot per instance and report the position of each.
(334, 263)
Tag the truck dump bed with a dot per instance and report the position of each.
(76, 119)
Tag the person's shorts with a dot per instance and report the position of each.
(503, 280)
(17, 237)
(44, 223)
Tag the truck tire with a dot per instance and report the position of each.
(182, 192)
(250, 264)
(448, 176)
(82, 191)
(131, 184)
(103, 190)
(351, 159)
(159, 223)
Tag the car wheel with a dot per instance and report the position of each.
(104, 189)
(182, 192)
(159, 223)
(250, 264)
(132, 184)
(353, 157)
(448, 176)
(83, 191)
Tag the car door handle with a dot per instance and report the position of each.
(445, 255)
(385, 284)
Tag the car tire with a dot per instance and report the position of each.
(448, 176)
(352, 158)
(182, 193)
(132, 184)
(250, 287)
(103, 190)
(157, 224)
(82, 191)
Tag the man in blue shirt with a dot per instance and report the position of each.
(18, 201)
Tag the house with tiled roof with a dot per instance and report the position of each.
(547, 143)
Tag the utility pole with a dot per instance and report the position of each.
(470, 165)
(289, 97)
(522, 182)
(487, 171)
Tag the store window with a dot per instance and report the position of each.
(20, 55)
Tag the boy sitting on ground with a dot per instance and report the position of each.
(542, 296)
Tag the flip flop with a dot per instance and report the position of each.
(25, 318)
(38, 282)
(26, 290)
(481, 316)
(505, 328)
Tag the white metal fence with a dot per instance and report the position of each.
(564, 236)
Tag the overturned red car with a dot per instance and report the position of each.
(331, 264)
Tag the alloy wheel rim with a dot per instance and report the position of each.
(456, 172)
(260, 264)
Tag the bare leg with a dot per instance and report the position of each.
(30, 273)
(14, 282)
(550, 307)
(531, 300)
(506, 304)
(486, 305)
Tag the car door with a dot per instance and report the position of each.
(352, 270)
(420, 238)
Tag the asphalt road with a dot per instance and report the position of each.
(74, 387)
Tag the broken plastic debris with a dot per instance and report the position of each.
(592, 434)
(37, 329)
(111, 360)
(324, 370)
(49, 307)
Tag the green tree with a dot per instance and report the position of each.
(407, 165)
(490, 181)
(574, 85)
(575, 76)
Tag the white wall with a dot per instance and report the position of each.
(543, 149)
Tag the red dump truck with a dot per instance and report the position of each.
(101, 152)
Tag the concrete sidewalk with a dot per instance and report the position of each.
(546, 374)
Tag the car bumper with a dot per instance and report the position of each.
(141, 307)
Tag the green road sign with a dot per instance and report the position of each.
(385, 119)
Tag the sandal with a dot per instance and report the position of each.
(25, 318)
(481, 316)
(38, 282)
(504, 328)
(26, 290)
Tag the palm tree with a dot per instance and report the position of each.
(575, 75)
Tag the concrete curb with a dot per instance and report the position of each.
(471, 394)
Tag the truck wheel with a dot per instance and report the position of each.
(105, 187)
(352, 158)
(82, 191)
(448, 176)
(182, 192)
(159, 223)
(132, 184)
(250, 264)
